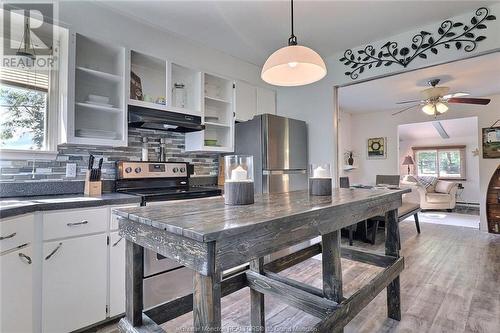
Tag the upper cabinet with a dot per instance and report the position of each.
(96, 111)
(160, 84)
(217, 116)
(251, 100)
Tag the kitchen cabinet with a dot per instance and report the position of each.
(160, 84)
(266, 101)
(74, 282)
(217, 116)
(251, 100)
(116, 274)
(96, 110)
(245, 101)
(16, 288)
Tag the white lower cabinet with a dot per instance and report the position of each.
(74, 283)
(16, 291)
(116, 274)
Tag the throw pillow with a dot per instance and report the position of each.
(428, 182)
(444, 187)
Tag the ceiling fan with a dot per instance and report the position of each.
(435, 99)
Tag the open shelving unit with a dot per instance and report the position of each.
(99, 70)
(151, 74)
(218, 117)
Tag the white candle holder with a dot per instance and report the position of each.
(320, 179)
(238, 182)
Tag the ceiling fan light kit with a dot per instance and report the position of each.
(435, 100)
(293, 65)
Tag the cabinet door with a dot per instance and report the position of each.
(116, 274)
(16, 290)
(244, 101)
(266, 101)
(74, 283)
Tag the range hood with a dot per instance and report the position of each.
(160, 120)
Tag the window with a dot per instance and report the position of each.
(441, 162)
(23, 109)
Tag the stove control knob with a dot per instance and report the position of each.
(183, 169)
(175, 170)
(128, 170)
(138, 170)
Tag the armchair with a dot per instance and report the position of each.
(440, 196)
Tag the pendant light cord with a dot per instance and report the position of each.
(293, 39)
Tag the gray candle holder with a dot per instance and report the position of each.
(320, 186)
(238, 175)
(238, 193)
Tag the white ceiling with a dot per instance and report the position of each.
(478, 76)
(456, 128)
(252, 30)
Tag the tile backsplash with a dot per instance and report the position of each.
(18, 170)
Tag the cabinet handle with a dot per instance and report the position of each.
(53, 251)
(77, 223)
(118, 241)
(8, 236)
(25, 258)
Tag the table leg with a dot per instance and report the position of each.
(392, 249)
(257, 313)
(207, 297)
(332, 270)
(133, 282)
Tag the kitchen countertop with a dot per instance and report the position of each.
(211, 219)
(22, 205)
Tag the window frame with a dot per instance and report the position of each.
(52, 121)
(437, 150)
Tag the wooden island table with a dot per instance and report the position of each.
(210, 237)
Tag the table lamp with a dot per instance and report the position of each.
(408, 161)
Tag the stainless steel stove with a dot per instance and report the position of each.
(157, 182)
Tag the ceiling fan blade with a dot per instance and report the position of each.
(405, 109)
(479, 101)
(404, 102)
(457, 94)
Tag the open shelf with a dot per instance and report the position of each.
(99, 107)
(207, 123)
(149, 76)
(147, 105)
(215, 99)
(99, 70)
(185, 88)
(99, 74)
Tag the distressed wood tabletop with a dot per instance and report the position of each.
(210, 219)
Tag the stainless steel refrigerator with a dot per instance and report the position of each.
(279, 148)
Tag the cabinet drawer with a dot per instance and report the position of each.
(69, 223)
(16, 231)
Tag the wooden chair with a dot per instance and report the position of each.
(344, 183)
(406, 210)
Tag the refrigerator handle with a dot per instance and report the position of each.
(284, 172)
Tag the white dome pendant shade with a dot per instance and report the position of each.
(293, 65)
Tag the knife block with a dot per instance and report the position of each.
(92, 188)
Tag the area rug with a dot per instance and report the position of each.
(455, 219)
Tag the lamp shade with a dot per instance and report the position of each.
(408, 160)
(293, 65)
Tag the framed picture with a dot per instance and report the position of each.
(376, 148)
(491, 142)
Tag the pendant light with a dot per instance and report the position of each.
(293, 65)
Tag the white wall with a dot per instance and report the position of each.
(471, 193)
(375, 124)
(94, 20)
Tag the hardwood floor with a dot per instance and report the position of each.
(451, 283)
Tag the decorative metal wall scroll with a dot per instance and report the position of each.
(450, 35)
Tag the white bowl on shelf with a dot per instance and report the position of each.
(98, 99)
